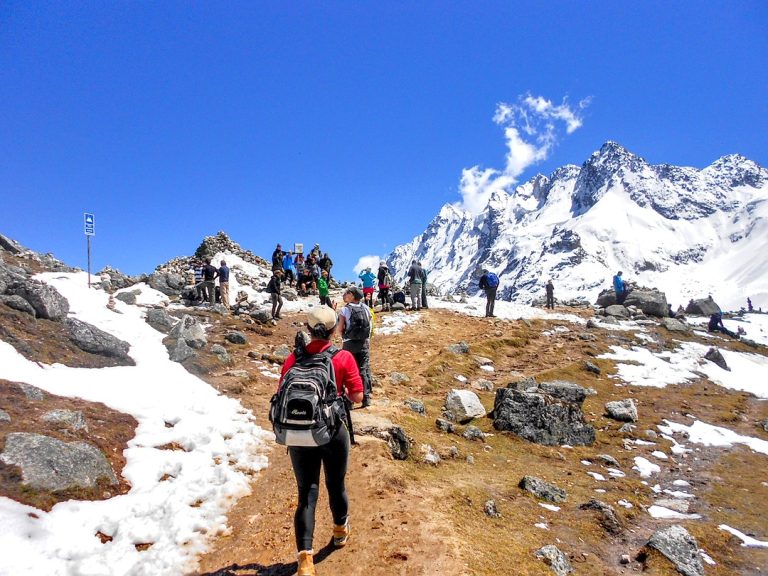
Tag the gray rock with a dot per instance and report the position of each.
(483, 384)
(622, 410)
(73, 419)
(482, 361)
(160, 320)
(702, 307)
(470, 459)
(128, 297)
(609, 460)
(675, 325)
(416, 405)
(50, 464)
(715, 356)
(675, 504)
(94, 340)
(4, 416)
(459, 348)
(289, 294)
(524, 384)
(607, 515)
(765, 424)
(490, 509)
(18, 303)
(609, 320)
(445, 426)
(282, 352)
(31, 392)
(398, 378)
(191, 331)
(542, 489)
(464, 405)
(10, 245)
(650, 301)
(179, 351)
(590, 367)
(474, 433)
(261, 315)
(221, 352)
(564, 390)
(46, 300)
(399, 443)
(592, 324)
(680, 548)
(219, 309)
(169, 284)
(587, 336)
(555, 559)
(398, 306)
(651, 434)
(237, 373)
(236, 337)
(540, 418)
(617, 311)
(627, 428)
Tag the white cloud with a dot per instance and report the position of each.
(531, 132)
(364, 262)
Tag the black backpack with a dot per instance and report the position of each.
(359, 327)
(307, 409)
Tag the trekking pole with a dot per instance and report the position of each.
(348, 410)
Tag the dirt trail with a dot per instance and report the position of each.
(411, 518)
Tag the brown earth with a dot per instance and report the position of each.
(412, 518)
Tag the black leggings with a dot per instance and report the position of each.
(306, 467)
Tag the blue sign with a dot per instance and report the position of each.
(90, 225)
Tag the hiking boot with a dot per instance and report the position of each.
(366, 402)
(341, 534)
(306, 564)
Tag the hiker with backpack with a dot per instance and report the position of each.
(423, 286)
(288, 268)
(274, 288)
(414, 275)
(355, 325)
(277, 258)
(368, 279)
(308, 416)
(385, 283)
(550, 295)
(490, 283)
(620, 287)
(210, 273)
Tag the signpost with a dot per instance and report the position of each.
(90, 230)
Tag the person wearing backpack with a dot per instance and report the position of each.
(423, 286)
(550, 288)
(490, 283)
(274, 289)
(355, 328)
(385, 283)
(368, 279)
(340, 377)
(414, 275)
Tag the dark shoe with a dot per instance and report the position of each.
(366, 402)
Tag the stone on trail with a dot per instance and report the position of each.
(715, 356)
(675, 543)
(191, 331)
(675, 325)
(555, 559)
(542, 489)
(464, 405)
(622, 410)
(160, 320)
(94, 340)
(608, 519)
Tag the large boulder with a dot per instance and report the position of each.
(606, 298)
(178, 351)
(464, 405)
(160, 320)
(680, 548)
(564, 390)
(617, 311)
(17, 303)
(541, 418)
(50, 464)
(46, 300)
(622, 410)
(191, 331)
(168, 283)
(675, 325)
(702, 307)
(94, 340)
(652, 302)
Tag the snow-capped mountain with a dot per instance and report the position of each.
(686, 231)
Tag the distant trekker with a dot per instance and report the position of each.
(209, 280)
(224, 283)
(277, 258)
(274, 288)
(749, 305)
(490, 283)
(414, 275)
(288, 268)
(550, 295)
(423, 285)
(385, 283)
(716, 325)
(368, 279)
(619, 287)
(355, 324)
(322, 288)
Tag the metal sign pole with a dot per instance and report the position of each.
(89, 260)
(90, 230)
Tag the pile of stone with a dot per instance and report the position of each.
(640, 303)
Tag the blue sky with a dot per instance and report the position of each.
(344, 123)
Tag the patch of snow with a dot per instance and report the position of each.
(645, 467)
(550, 507)
(660, 455)
(596, 476)
(746, 541)
(625, 504)
(702, 433)
(667, 514)
(541, 525)
(395, 322)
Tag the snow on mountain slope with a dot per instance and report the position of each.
(687, 231)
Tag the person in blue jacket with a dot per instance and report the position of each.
(288, 268)
(619, 287)
(369, 281)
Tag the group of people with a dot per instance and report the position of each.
(305, 271)
(203, 276)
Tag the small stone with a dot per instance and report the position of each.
(622, 410)
(416, 405)
(72, 419)
(542, 489)
(237, 373)
(32, 392)
(716, 357)
(4, 416)
(490, 509)
(398, 378)
(590, 367)
(625, 559)
(459, 348)
(236, 337)
(680, 548)
(470, 459)
(555, 559)
(627, 428)
(445, 426)
(609, 460)
(483, 385)
(474, 433)
(430, 455)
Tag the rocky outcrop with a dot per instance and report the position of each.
(160, 320)
(555, 559)
(17, 303)
(45, 299)
(702, 307)
(169, 283)
(541, 417)
(542, 489)
(72, 419)
(651, 301)
(96, 341)
(50, 464)
(191, 331)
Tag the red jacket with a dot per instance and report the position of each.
(347, 374)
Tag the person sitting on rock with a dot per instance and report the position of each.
(716, 325)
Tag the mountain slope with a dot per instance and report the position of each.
(687, 231)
